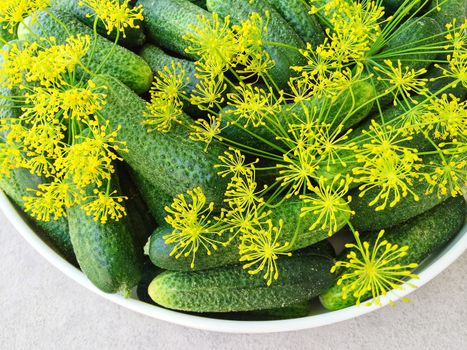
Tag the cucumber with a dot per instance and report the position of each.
(106, 253)
(289, 212)
(460, 91)
(168, 21)
(450, 9)
(149, 273)
(231, 289)
(278, 31)
(158, 59)
(392, 6)
(367, 219)
(134, 37)
(5, 35)
(280, 313)
(122, 64)
(423, 234)
(55, 232)
(348, 109)
(304, 24)
(170, 161)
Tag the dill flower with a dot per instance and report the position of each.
(115, 14)
(297, 171)
(390, 175)
(209, 92)
(206, 131)
(9, 158)
(161, 114)
(233, 163)
(403, 81)
(192, 228)
(329, 202)
(253, 104)
(15, 61)
(103, 206)
(260, 249)
(13, 12)
(242, 192)
(170, 83)
(373, 270)
(447, 175)
(447, 116)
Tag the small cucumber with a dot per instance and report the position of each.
(423, 234)
(278, 31)
(106, 253)
(231, 289)
(289, 212)
(122, 64)
(168, 21)
(134, 37)
(304, 24)
(449, 10)
(170, 161)
(367, 219)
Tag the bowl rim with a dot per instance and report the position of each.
(445, 257)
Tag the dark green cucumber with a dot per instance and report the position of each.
(22, 183)
(170, 161)
(423, 234)
(134, 37)
(351, 106)
(392, 6)
(279, 313)
(450, 10)
(231, 289)
(158, 59)
(278, 31)
(367, 219)
(289, 212)
(168, 21)
(122, 64)
(106, 253)
(304, 24)
(149, 273)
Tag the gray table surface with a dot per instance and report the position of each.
(41, 308)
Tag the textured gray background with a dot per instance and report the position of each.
(40, 308)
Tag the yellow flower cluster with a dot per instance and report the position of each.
(12, 12)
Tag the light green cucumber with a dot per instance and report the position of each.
(168, 21)
(133, 38)
(116, 61)
(423, 234)
(278, 31)
(106, 253)
(449, 10)
(367, 219)
(232, 289)
(170, 161)
(288, 211)
(305, 25)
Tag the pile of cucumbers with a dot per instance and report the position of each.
(119, 256)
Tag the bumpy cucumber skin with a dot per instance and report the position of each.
(289, 212)
(158, 59)
(367, 219)
(423, 234)
(54, 232)
(334, 112)
(106, 253)
(134, 37)
(304, 24)
(279, 31)
(168, 21)
(232, 289)
(122, 64)
(450, 10)
(170, 161)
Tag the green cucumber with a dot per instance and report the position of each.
(149, 273)
(289, 212)
(106, 253)
(168, 21)
(158, 59)
(367, 219)
(134, 37)
(423, 234)
(351, 106)
(393, 6)
(278, 31)
(22, 183)
(449, 10)
(170, 161)
(122, 64)
(231, 289)
(304, 24)
(279, 313)
(5, 35)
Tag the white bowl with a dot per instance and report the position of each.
(318, 316)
